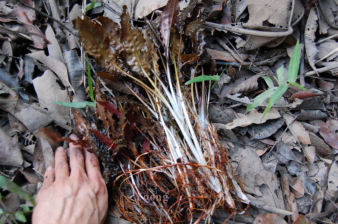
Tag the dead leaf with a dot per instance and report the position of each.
(53, 46)
(332, 181)
(53, 64)
(253, 117)
(310, 37)
(321, 147)
(27, 16)
(262, 131)
(264, 14)
(8, 98)
(224, 55)
(49, 92)
(168, 18)
(310, 115)
(10, 153)
(310, 153)
(269, 218)
(297, 130)
(303, 95)
(298, 188)
(330, 137)
(32, 116)
(302, 220)
(248, 85)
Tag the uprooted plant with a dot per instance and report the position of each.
(153, 137)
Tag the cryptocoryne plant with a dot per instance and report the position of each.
(156, 144)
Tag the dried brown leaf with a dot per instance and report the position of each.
(167, 19)
(330, 137)
(310, 36)
(253, 117)
(10, 153)
(269, 218)
(297, 130)
(248, 85)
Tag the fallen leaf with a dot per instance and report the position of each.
(49, 92)
(145, 7)
(332, 181)
(298, 188)
(303, 95)
(224, 55)
(248, 85)
(310, 153)
(310, 115)
(265, 130)
(310, 37)
(297, 130)
(269, 218)
(330, 138)
(53, 46)
(321, 147)
(10, 153)
(168, 18)
(253, 117)
(53, 64)
(8, 98)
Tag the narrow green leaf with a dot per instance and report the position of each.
(297, 85)
(1, 211)
(93, 5)
(90, 82)
(25, 208)
(268, 81)
(8, 185)
(260, 99)
(277, 94)
(3, 218)
(294, 64)
(202, 78)
(280, 76)
(78, 105)
(20, 216)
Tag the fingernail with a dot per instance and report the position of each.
(73, 137)
(59, 149)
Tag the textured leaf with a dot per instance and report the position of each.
(8, 185)
(202, 78)
(278, 93)
(297, 130)
(260, 99)
(78, 105)
(116, 47)
(294, 64)
(248, 85)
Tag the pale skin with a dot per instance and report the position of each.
(73, 192)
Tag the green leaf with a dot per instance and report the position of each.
(294, 64)
(3, 218)
(90, 83)
(202, 78)
(280, 75)
(277, 94)
(268, 81)
(1, 211)
(8, 185)
(260, 99)
(93, 5)
(25, 208)
(79, 105)
(20, 216)
(298, 86)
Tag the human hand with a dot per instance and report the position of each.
(78, 197)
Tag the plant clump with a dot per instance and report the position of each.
(160, 154)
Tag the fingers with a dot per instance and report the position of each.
(49, 177)
(76, 157)
(93, 167)
(61, 164)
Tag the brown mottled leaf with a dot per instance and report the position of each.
(330, 137)
(167, 19)
(268, 219)
(115, 47)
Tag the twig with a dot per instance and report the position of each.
(241, 30)
(49, 17)
(233, 54)
(324, 69)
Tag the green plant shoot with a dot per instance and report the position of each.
(90, 82)
(275, 93)
(78, 105)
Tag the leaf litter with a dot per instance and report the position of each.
(283, 165)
